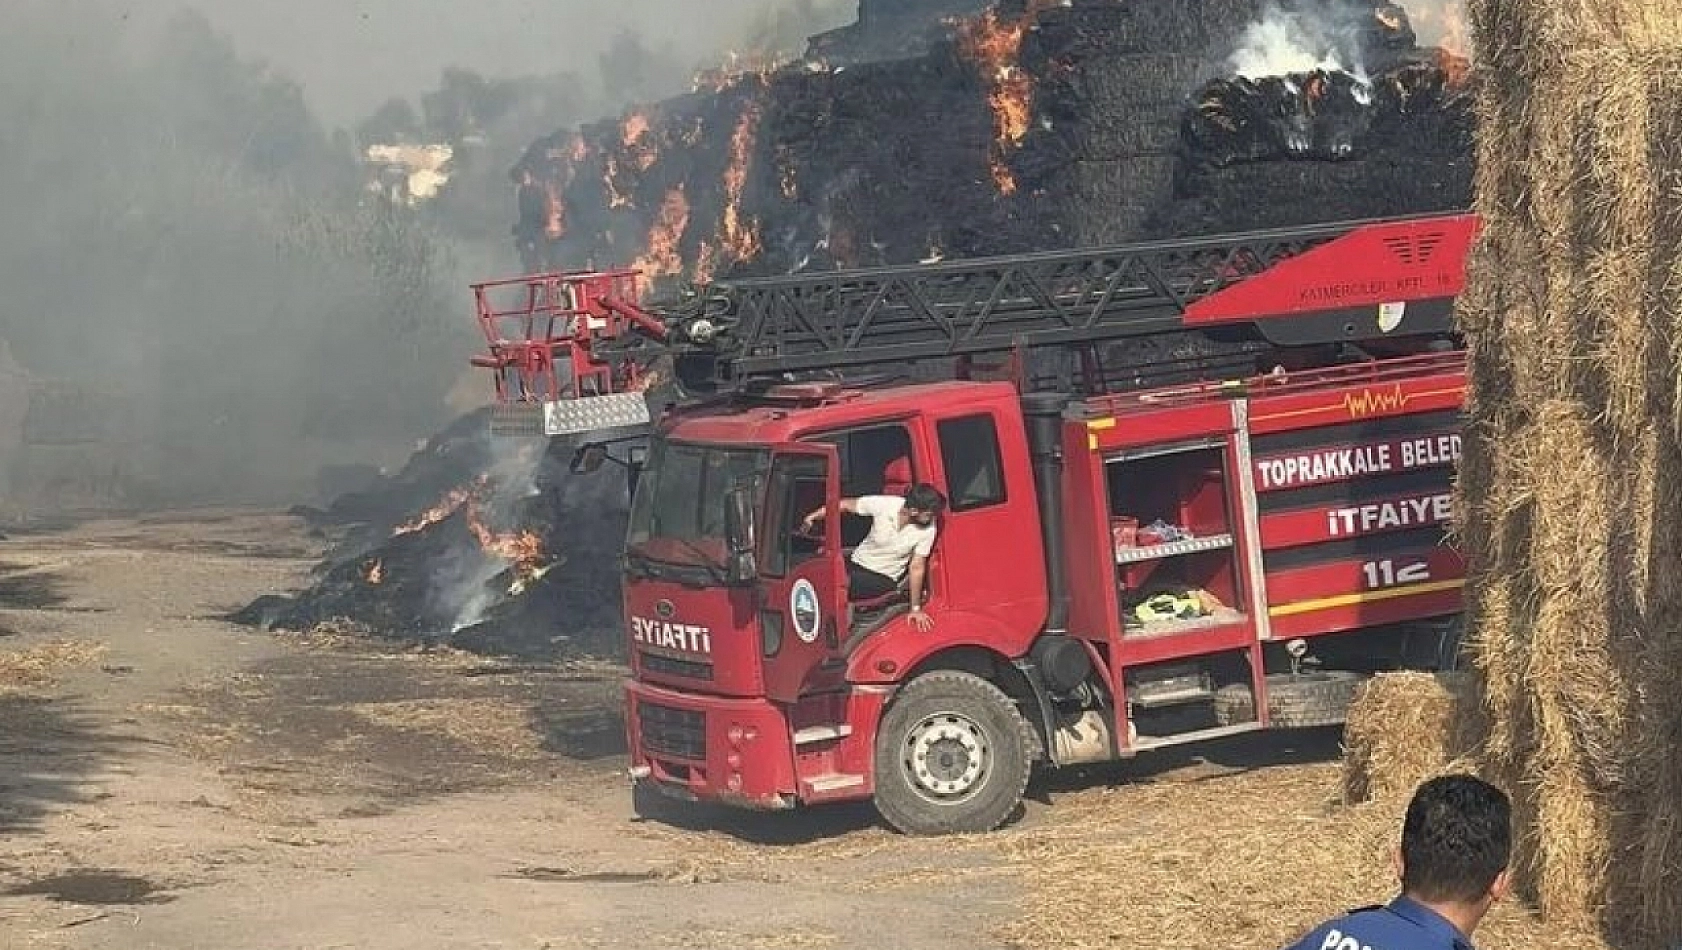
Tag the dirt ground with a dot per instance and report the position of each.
(170, 781)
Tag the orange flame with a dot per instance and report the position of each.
(644, 151)
(735, 68)
(662, 258)
(523, 549)
(610, 183)
(635, 127)
(1455, 68)
(564, 165)
(994, 45)
(740, 238)
(706, 262)
(445, 508)
(375, 573)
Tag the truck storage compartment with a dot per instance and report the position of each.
(1176, 565)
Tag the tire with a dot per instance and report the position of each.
(953, 756)
(1303, 701)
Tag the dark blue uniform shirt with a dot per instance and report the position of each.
(1403, 924)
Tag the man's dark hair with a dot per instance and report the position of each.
(925, 497)
(1457, 837)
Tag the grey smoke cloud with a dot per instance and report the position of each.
(351, 55)
(189, 239)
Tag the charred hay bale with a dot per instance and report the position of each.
(1105, 202)
(1388, 181)
(1089, 30)
(1570, 497)
(1114, 107)
(879, 163)
(1403, 728)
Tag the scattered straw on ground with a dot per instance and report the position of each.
(491, 725)
(36, 666)
(1241, 861)
(1402, 730)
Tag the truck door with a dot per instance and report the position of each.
(803, 575)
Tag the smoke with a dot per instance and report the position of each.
(192, 238)
(1323, 35)
(1441, 23)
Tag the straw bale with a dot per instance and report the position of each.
(1401, 730)
(1570, 492)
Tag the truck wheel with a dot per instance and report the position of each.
(953, 756)
(1303, 701)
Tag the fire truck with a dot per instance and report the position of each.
(1226, 536)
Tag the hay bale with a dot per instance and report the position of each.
(1402, 729)
(1570, 501)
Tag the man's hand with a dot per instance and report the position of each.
(808, 522)
(922, 621)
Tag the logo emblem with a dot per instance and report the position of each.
(664, 609)
(1390, 316)
(803, 607)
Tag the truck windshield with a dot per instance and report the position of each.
(678, 512)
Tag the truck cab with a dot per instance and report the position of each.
(740, 627)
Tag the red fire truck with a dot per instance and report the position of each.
(1226, 535)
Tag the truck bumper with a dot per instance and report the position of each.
(709, 748)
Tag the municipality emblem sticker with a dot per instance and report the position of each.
(1390, 316)
(803, 607)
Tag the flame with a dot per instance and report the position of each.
(993, 44)
(555, 227)
(563, 167)
(610, 183)
(523, 549)
(636, 126)
(1455, 68)
(736, 68)
(740, 238)
(375, 573)
(639, 142)
(663, 258)
(1390, 20)
(706, 262)
(445, 508)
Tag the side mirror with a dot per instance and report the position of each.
(738, 533)
(588, 458)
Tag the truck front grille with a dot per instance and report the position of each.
(674, 732)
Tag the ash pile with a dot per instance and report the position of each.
(479, 544)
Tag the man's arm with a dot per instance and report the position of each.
(919, 573)
(848, 505)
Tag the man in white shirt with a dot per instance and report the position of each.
(902, 534)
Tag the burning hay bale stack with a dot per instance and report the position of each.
(1025, 125)
(1108, 89)
(509, 560)
(1374, 127)
(1571, 486)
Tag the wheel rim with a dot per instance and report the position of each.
(946, 757)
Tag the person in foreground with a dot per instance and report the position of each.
(1453, 864)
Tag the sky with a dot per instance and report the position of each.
(353, 55)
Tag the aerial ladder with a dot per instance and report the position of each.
(576, 354)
